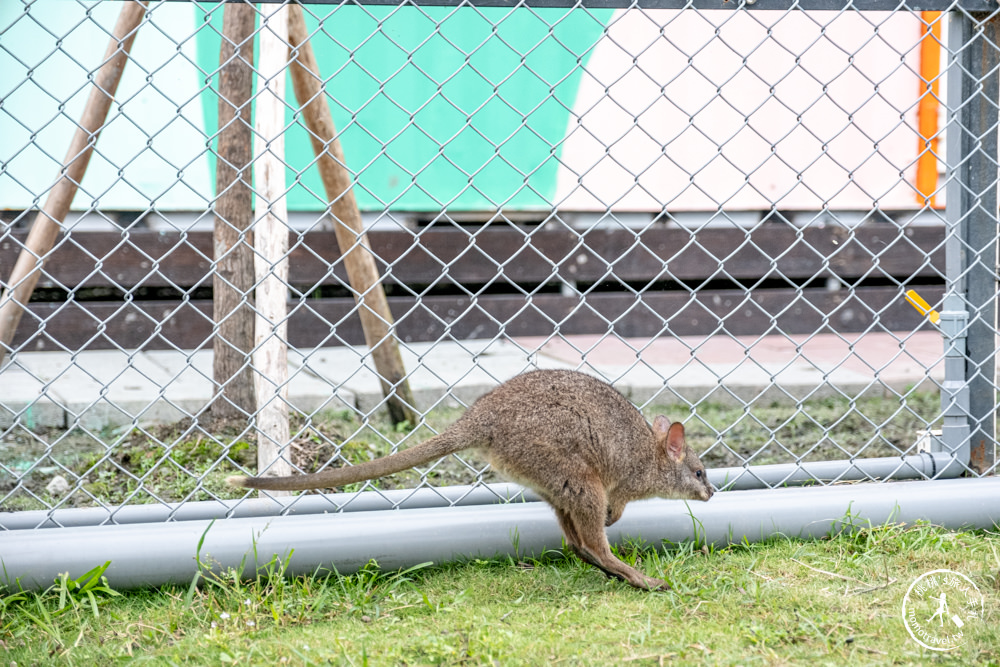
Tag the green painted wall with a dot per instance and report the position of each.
(438, 108)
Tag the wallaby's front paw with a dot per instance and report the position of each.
(613, 516)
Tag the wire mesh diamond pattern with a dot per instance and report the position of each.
(720, 212)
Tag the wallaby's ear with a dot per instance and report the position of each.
(661, 425)
(670, 437)
(675, 441)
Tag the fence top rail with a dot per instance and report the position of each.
(805, 5)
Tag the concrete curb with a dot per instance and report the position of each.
(110, 389)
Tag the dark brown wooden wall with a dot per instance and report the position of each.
(474, 282)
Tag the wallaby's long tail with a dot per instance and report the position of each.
(425, 452)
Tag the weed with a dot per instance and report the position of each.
(84, 590)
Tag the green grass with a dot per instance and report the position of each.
(829, 602)
(185, 462)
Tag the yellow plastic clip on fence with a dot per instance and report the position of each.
(925, 308)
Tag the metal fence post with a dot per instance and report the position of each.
(970, 304)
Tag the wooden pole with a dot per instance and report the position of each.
(376, 319)
(270, 357)
(48, 221)
(233, 278)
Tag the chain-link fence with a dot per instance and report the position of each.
(719, 211)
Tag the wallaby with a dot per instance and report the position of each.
(572, 438)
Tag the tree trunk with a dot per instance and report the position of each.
(233, 280)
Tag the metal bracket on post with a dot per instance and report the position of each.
(954, 436)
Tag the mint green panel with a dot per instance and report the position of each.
(439, 108)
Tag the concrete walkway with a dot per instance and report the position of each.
(111, 388)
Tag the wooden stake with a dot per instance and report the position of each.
(48, 221)
(376, 319)
(270, 357)
(233, 278)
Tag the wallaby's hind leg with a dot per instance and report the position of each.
(569, 531)
(595, 543)
(573, 539)
(583, 524)
(566, 522)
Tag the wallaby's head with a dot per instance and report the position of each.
(684, 475)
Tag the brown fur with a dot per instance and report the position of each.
(573, 439)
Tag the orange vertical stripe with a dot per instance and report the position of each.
(927, 109)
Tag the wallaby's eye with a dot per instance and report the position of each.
(698, 473)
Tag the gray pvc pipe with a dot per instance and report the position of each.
(922, 466)
(363, 501)
(155, 554)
